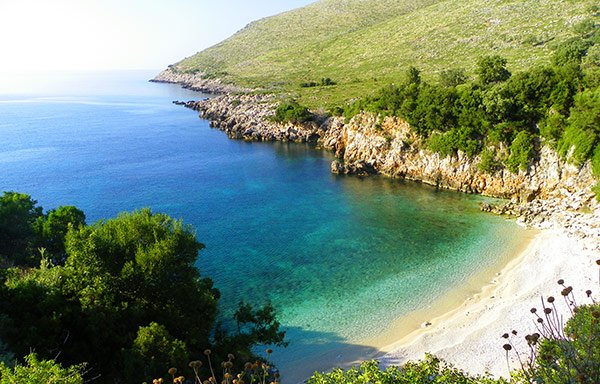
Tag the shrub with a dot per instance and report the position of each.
(325, 82)
(488, 162)
(452, 77)
(154, 349)
(292, 112)
(577, 144)
(430, 370)
(521, 152)
(492, 69)
(570, 51)
(40, 371)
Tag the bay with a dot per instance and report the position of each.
(341, 258)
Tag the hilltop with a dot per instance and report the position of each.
(364, 44)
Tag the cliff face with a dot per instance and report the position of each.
(391, 148)
(550, 193)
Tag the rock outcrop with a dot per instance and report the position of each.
(248, 117)
(197, 82)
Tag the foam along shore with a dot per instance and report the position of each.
(470, 336)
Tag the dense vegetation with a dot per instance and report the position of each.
(121, 295)
(503, 116)
(364, 44)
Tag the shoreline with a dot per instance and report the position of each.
(409, 327)
(467, 333)
(406, 329)
(469, 336)
(551, 196)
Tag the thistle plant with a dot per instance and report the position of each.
(560, 351)
(257, 372)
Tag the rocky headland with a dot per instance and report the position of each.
(196, 82)
(551, 193)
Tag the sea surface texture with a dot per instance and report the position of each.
(340, 257)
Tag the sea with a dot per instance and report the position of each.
(340, 257)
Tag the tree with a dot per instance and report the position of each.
(430, 370)
(53, 227)
(453, 77)
(292, 112)
(492, 69)
(154, 350)
(583, 131)
(40, 371)
(18, 213)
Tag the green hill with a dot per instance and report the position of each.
(364, 44)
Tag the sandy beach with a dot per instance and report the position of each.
(470, 335)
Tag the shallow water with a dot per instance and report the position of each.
(340, 257)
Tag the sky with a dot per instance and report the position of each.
(67, 35)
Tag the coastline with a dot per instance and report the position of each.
(470, 336)
(409, 327)
(466, 332)
(551, 196)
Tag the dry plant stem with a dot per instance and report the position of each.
(212, 372)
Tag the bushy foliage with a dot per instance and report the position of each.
(292, 112)
(37, 371)
(492, 69)
(24, 228)
(488, 162)
(557, 105)
(453, 77)
(571, 51)
(154, 349)
(18, 214)
(127, 300)
(430, 370)
(325, 82)
(521, 152)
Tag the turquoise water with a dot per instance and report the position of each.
(340, 257)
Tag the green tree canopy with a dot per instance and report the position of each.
(492, 69)
(18, 213)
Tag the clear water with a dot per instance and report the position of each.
(340, 257)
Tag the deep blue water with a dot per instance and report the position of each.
(340, 257)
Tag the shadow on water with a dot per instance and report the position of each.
(314, 351)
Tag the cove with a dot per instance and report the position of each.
(341, 258)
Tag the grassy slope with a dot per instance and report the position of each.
(365, 44)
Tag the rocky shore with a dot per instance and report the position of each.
(550, 194)
(196, 82)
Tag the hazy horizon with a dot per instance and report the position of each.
(86, 35)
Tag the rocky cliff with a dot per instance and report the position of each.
(196, 82)
(550, 193)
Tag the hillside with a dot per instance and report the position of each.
(364, 44)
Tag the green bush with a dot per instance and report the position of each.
(557, 353)
(40, 371)
(577, 144)
(521, 152)
(488, 162)
(154, 349)
(430, 370)
(453, 77)
(129, 293)
(571, 51)
(292, 112)
(492, 69)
